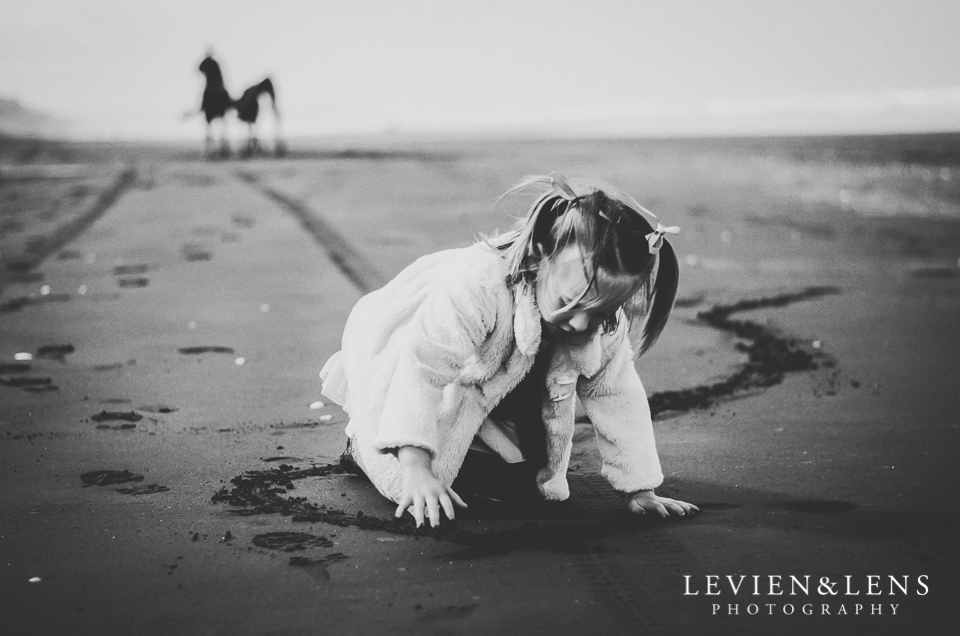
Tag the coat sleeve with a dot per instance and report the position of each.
(451, 323)
(617, 405)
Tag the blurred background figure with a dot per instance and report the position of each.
(214, 105)
(248, 109)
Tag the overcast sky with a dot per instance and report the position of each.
(127, 68)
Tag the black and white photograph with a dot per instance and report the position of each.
(462, 317)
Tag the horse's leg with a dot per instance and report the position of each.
(248, 144)
(279, 148)
(254, 141)
(224, 139)
(208, 141)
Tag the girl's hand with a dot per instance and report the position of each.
(422, 491)
(644, 500)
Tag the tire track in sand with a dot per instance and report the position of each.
(361, 273)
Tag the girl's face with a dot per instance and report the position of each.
(564, 307)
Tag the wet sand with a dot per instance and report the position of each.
(167, 467)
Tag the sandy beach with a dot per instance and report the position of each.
(169, 466)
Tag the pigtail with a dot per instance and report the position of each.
(522, 248)
(664, 295)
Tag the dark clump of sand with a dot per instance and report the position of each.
(770, 355)
(290, 541)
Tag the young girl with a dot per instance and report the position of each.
(479, 354)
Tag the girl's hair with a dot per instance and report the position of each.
(611, 232)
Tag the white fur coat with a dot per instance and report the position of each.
(427, 357)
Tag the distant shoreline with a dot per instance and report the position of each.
(941, 149)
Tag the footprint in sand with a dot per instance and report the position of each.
(147, 489)
(158, 408)
(111, 477)
(135, 282)
(21, 381)
(54, 352)
(31, 385)
(14, 367)
(129, 270)
(291, 541)
(16, 304)
(108, 477)
(195, 252)
(110, 416)
(41, 389)
(204, 349)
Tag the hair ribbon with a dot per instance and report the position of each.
(655, 238)
(561, 187)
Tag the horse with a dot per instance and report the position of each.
(217, 102)
(248, 108)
